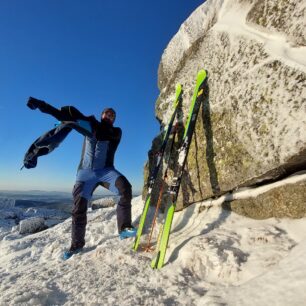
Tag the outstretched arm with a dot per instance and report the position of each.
(65, 113)
(44, 107)
(85, 124)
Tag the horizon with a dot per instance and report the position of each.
(101, 191)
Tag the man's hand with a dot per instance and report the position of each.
(33, 103)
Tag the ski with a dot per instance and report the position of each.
(197, 98)
(160, 154)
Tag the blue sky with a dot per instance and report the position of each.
(90, 54)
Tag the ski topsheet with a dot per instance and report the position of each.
(197, 98)
(178, 94)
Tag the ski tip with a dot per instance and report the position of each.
(178, 91)
(202, 74)
(178, 88)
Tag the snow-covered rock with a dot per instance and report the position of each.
(251, 128)
(25, 218)
(103, 202)
(44, 213)
(31, 225)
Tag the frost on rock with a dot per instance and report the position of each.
(201, 20)
(286, 17)
(31, 225)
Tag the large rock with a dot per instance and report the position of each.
(32, 225)
(251, 128)
(285, 201)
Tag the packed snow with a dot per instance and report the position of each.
(215, 257)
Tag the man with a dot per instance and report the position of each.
(96, 168)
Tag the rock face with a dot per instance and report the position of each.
(252, 124)
(286, 201)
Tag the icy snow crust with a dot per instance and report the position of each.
(215, 258)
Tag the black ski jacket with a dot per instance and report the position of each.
(98, 134)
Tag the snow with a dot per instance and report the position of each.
(215, 257)
(15, 220)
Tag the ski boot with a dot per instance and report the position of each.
(69, 253)
(128, 232)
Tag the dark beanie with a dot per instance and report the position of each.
(108, 109)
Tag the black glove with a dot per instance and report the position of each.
(34, 103)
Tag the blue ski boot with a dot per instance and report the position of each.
(128, 232)
(69, 253)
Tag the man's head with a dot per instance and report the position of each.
(108, 115)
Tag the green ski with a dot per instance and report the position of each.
(178, 95)
(197, 98)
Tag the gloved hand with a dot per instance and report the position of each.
(33, 103)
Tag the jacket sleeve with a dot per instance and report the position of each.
(87, 125)
(70, 113)
(45, 144)
(65, 113)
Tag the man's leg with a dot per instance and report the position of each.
(124, 215)
(114, 181)
(82, 192)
